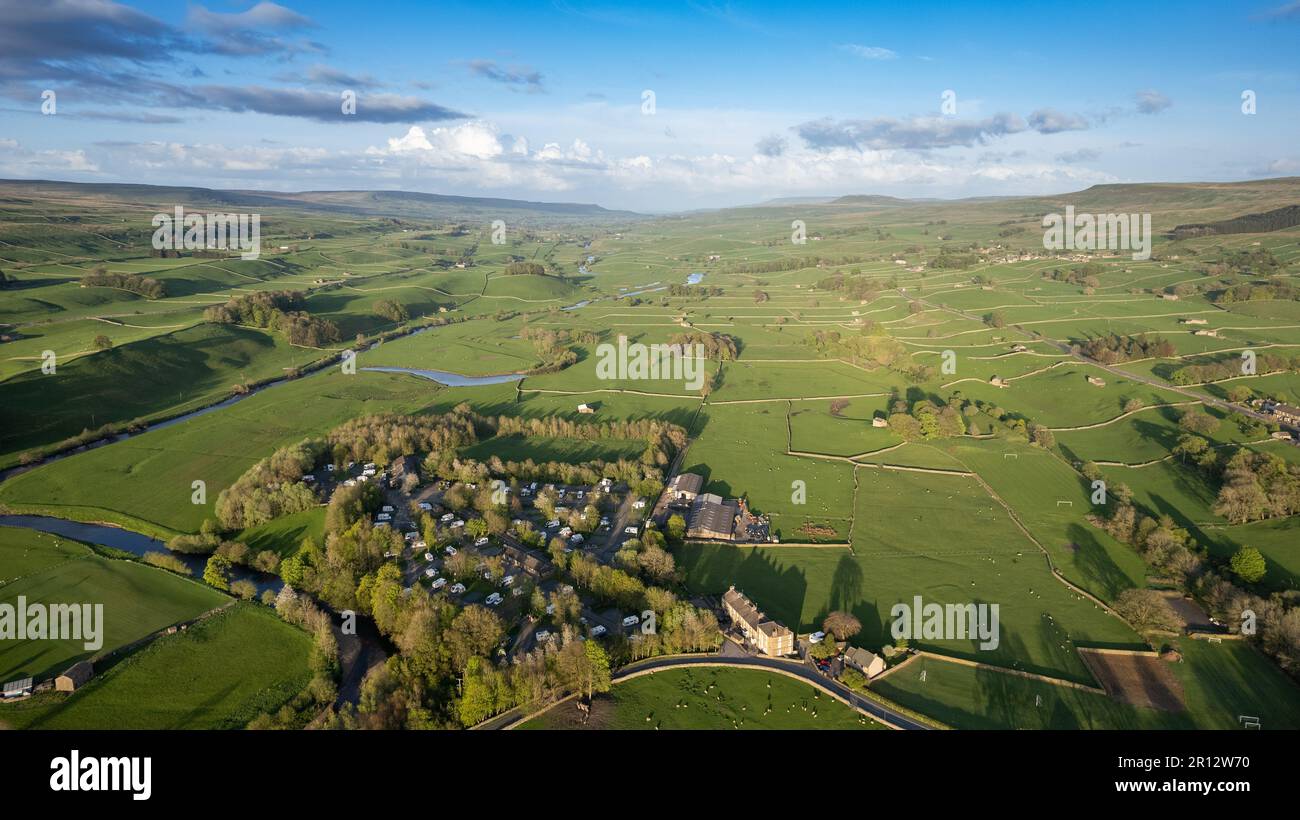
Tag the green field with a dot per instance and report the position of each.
(219, 674)
(1221, 682)
(137, 599)
(713, 698)
(812, 342)
(284, 535)
(163, 375)
(145, 483)
(940, 537)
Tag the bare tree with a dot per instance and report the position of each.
(842, 625)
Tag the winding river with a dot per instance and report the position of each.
(359, 653)
(135, 543)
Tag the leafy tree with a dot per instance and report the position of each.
(825, 648)
(217, 572)
(1249, 565)
(1147, 610)
(478, 700)
(102, 342)
(390, 310)
(676, 527)
(595, 669)
(476, 630)
(244, 588)
(1197, 421)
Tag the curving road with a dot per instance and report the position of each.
(868, 707)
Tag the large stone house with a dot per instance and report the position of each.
(768, 636)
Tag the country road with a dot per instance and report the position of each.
(861, 704)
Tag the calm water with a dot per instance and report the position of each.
(450, 379)
(134, 543)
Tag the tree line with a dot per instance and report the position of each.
(280, 311)
(135, 283)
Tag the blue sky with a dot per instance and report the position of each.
(751, 101)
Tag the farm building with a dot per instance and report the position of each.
(18, 688)
(1205, 332)
(686, 486)
(75, 677)
(865, 661)
(1096, 381)
(712, 517)
(879, 421)
(1286, 414)
(998, 381)
(768, 636)
(1194, 321)
(586, 409)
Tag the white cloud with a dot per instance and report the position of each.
(15, 160)
(870, 52)
(474, 139)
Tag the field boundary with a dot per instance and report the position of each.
(1068, 684)
(629, 673)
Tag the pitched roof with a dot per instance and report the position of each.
(687, 483)
(710, 512)
(79, 672)
(743, 607)
(862, 657)
(773, 629)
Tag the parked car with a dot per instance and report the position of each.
(449, 549)
(816, 637)
(597, 631)
(494, 599)
(481, 542)
(507, 581)
(429, 572)
(428, 556)
(440, 583)
(457, 588)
